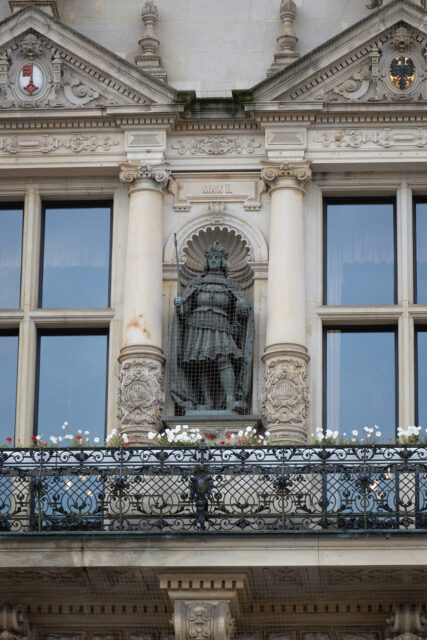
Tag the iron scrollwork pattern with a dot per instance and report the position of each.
(214, 490)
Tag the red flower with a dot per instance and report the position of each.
(9, 439)
(228, 436)
(33, 438)
(45, 444)
(208, 435)
(222, 442)
(389, 439)
(127, 444)
(79, 437)
(240, 442)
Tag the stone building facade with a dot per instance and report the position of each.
(234, 121)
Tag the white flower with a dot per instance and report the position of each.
(38, 437)
(378, 434)
(53, 439)
(86, 433)
(355, 432)
(151, 435)
(249, 429)
(267, 433)
(96, 440)
(59, 438)
(240, 434)
(68, 436)
(79, 430)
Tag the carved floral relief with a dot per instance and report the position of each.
(285, 399)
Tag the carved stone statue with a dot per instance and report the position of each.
(212, 342)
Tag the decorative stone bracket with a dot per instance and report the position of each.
(13, 623)
(407, 622)
(205, 606)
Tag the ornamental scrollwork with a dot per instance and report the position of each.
(141, 393)
(216, 145)
(157, 174)
(285, 399)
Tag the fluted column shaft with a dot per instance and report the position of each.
(285, 356)
(141, 357)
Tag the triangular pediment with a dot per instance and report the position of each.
(47, 65)
(382, 58)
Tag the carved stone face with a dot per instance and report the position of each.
(215, 262)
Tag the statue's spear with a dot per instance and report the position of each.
(178, 275)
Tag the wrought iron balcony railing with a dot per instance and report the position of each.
(292, 490)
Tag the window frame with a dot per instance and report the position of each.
(16, 206)
(73, 204)
(357, 328)
(328, 200)
(41, 332)
(13, 333)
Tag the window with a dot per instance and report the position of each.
(11, 220)
(8, 371)
(76, 256)
(421, 378)
(420, 266)
(361, 379)
(72, 382)
(359, 250)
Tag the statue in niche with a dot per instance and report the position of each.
(212, 342)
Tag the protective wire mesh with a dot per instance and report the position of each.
(211, 346)
(122, 602)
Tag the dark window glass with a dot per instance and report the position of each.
(361, 381)
(421, 252)
(8, 373)
(76, 256)
(10, 257)
(360, 253)
(72, 383)
(421, 357)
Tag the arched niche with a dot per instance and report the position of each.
(245, 246)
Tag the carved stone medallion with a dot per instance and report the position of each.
(141, 392)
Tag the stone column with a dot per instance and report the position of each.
(205, 605)
(141, 358)
(285, 357)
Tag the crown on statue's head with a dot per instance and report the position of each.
(216, 248)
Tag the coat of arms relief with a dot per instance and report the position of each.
(35, 73)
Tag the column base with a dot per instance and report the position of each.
(141, 395)
(285, 398)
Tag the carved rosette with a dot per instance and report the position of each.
(141, 396)
(285, 174)
(144, 176)
(13, 623)
(285, 398)
(203, 620)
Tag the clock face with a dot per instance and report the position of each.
(31, 79)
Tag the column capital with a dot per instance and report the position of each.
(286, 175)
(143, 176)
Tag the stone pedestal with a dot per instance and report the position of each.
(285, 399)
(141, 358)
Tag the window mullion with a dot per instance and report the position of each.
(31, 249)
